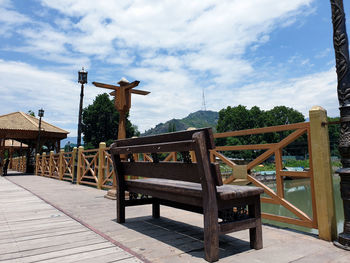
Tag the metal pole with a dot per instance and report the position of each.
(80, 115)
(341, 47)
(38, 142)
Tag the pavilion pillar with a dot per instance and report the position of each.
(2, 154)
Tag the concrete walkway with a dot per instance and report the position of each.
(178, 235)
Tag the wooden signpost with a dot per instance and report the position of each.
(122, 100)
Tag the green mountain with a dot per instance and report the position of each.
(198, 119)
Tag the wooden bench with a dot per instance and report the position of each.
(193, 186)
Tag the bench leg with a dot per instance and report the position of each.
(255, 234)
(156, 209)
(211, 237)
(120, 206)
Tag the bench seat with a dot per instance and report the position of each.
(224, 192)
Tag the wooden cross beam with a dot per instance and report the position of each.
(122, 100)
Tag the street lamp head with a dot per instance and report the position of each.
(41, 113)
(82, 79)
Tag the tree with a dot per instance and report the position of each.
(68, 147)
(241, 118)
(172, 127)
(31, 113)
(100, 122)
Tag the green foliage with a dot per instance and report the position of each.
(172, 127)
(31, 113)
(241, 118)
(297, 163)
(334, 133)
(100, 122)
(68, 147)
(199, 119)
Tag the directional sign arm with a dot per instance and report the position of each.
(134, 91)
(131, 85)
(105, 86)
(140, 92)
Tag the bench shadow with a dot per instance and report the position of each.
(183, 236)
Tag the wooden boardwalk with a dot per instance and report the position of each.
(32, 231)
(176, 237)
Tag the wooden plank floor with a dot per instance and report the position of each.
(33, 231)
(177, 236)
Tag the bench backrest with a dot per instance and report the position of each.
(199, 141)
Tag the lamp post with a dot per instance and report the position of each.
(40, 114)
(341, 48)
(82, 79)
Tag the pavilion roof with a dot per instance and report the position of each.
(25, 128)
(22, 121)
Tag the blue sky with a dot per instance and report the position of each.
(253, 52)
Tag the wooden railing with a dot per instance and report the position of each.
(95, 168)
(18, 164)
(109, 178)
(87, 167)
(67, 161)
(244, 171)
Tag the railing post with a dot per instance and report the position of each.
(25, 164)
(51, 164)
(43, 164)
(74, 165)
(322, 170)
(101, 164)
(22, 164)
(79, 164)
(60, 164)
(212, 157)
(37, 163)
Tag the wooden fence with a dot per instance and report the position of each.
(95, 168)
(275, 197)
(18, 164)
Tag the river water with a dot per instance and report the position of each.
(298, 192)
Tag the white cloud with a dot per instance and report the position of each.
(299, 93)
(175, 48)
(24, 87)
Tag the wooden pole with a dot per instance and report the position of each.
(37, 163)
(122, 125)
(51, 166)
(74, 169)
(60, 165)
(322, 170)
(101, 164)
(43, 164)
(79, 164)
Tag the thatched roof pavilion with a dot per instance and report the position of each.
(24, 128)
(19, 125)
